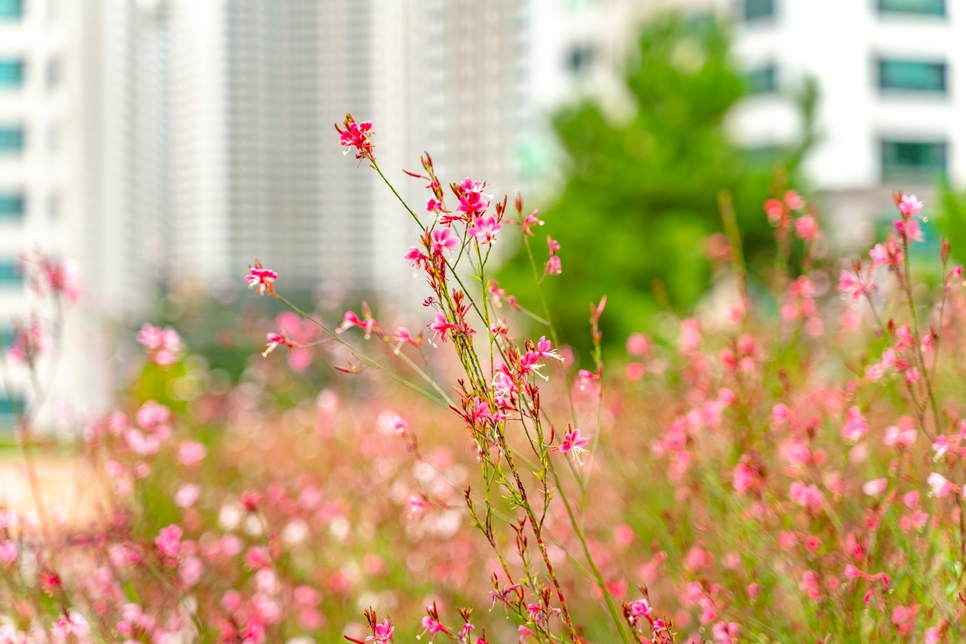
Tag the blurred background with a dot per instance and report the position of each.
(164, 144)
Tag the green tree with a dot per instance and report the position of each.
(641, 196)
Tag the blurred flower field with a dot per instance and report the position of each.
(779, 466)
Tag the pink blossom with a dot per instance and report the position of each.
(190, 571)
(530, 220)
(931, 636)
(356, 135)
(484, 229)
(168, 541)
(940, 485)
(806, 227)
(810, 584)
(854, 286)
(71, 627)
(470, 194)
(350, 319)
(8, 552)
(637, 344)
(812, 543)
(162, 345)
(62, 278)
(416, 257)
(856, 426)
(574, 443)
(191, 453)
(443, 240)
(187, 495)
(807, 496)
(875, 486)
(257, 557)
(553, 266)
(793, 200)
(261, 278)
(29, 344)
(899, 437)
(908, 205)
(274, 340)
(441, 325)
(743, 478)
(434, 205)
(382, 632)
(690, 335)
(775, 211)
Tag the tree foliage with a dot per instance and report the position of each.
(641, 197)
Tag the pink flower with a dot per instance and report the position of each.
(29, 344)
(809, 497)
(910, 229)
(931, 636)
(168, 541)
(793, 200)
(257, 557)
(553, 266)
(62, 278)
(856, 426)
(382, 633)
(875, 486)
(403, 336)
(743, 478)
(416, 257)
(350, 319)
(8, 552)
(443, 240)
(637, 609)
(899, 437)
(161, 345)
(854, 286)
(908, 205)
(262, 278)
(940, 485)
(484, 229)
(441, 325)
(470, 194)
(434, 205)
(806, 228)
(637, 344)
(274, 340)
(187, 495)
(191, 453)
(356, 135)
(573, 443)
(530, 220)
(775, 210)
(190, 571)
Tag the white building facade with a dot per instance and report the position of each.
(892, 83)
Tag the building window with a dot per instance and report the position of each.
(9, 408)
(925, 7)
(755, 10)
(11, 72)
(11, 138)
(11, 9)
(10, 274)
(11, 206)
(761, 81)
(579, 59)
(912, 75)
(913, 159)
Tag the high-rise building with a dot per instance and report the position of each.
(251, 90)
(41, 183)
